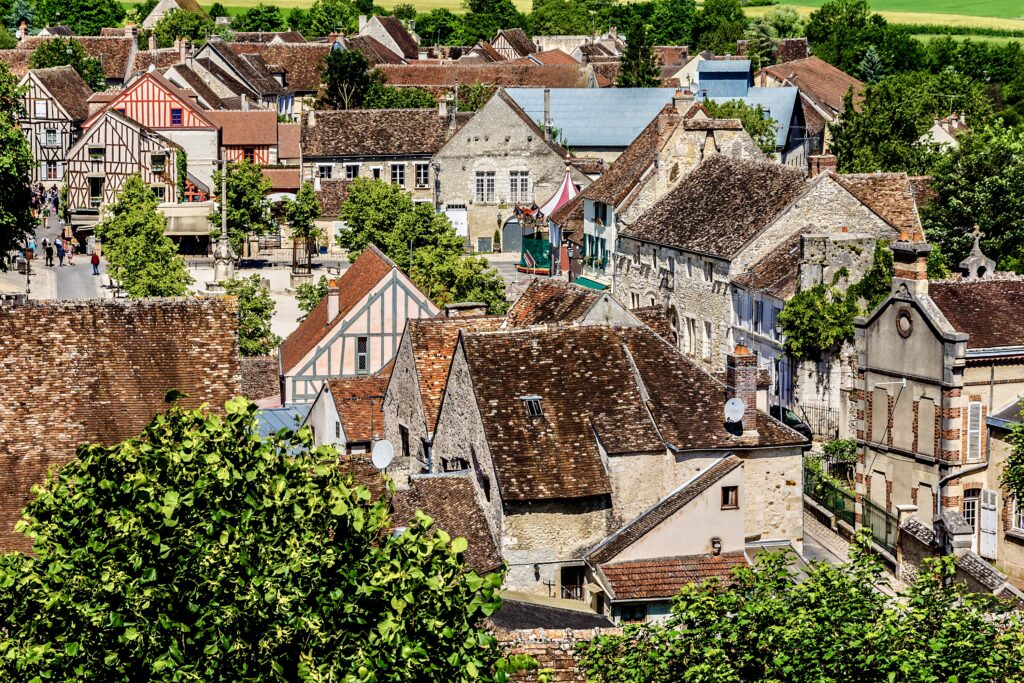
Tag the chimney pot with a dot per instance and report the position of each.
(152, 42)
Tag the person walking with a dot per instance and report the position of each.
(72, 247)
(95, 261)
(60, 252)
(48, 250)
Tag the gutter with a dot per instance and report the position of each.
(949, 477)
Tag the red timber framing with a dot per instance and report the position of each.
(258, 154)
(158, 104)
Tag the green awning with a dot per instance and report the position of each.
(592, 284)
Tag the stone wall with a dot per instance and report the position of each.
(554, 649)
(773, 508)
(403, 407)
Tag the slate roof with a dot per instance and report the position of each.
(556, 455)
(410, 48)
(518, 40)
(198, 85)
(68, 88)
(664, 577)
(450, 499)
(433, 345)
(501, 73)
(116, 52)
(375, 51)
(304, 63)
(629, 167)
(259, 377)
(719, 206)
(608, 549)
(267, 36)
(515, 614)
(547, 300)
(361, 413)
(817, 79)
(778, 104)
(987, 310)
(250, 67)
(355, 283)
(374, 133)
(253, 127)
(777, 273)
(887, 194)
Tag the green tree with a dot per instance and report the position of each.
(834, 626)
(786, 21)
(440, 27)
(199, 551)
(718, 26)
(448, 277)
(140, 256)
(255, 313)
(672, 23)
(840, 31)
(382, 96)
(216, 10)
(7, 41)
(248, 211)
(13, 12)
(332, 16)
(68, 52)
(16, 221)
(404, 11)
(86, 17)
(309, 294)
(637, 68)
(981, 182)
(179, 23)
(347, 79)
(568, 17)
(141, 10)
(871, 67)
(473, 96)
(484, 18)
(761, 38)
(259, 17)
(761, 128)
(302, 213)
(1012, 476)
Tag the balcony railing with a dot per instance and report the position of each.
(834, 499)
(883, 525)
(572, 591)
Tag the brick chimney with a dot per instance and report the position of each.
(152, 43)
(819, 163)
(130, 30)
(741, 380)
(910, 263)
(333, 301)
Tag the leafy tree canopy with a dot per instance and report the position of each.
(216, 10)
(16, 221)
(331, 16)
(719, 25)
(11, 13)
(447, 277)
(786, 21)
(347, 79)
(761, 128)
(439, 26)
(1012, 476)
(637, 68)
(198, 551)
(259, 17)
(255, 312)
(303, 211)
(248, 211)
(67, 52)
(672, 23)
(568, 17)
(86, 17)
(309, 294)
(404, 11)
(179, 23)
(382, 96)
(140, 256)
(484, 18)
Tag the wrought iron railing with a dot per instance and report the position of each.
(572, 591)
(821, 418)
(837, 501)
(883, 525)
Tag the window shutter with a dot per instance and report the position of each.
(974, 430)
(989, 518)
(60, 170)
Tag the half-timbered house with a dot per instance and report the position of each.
(355, 330)
(248, 135)
(55, 103)
(112, 148)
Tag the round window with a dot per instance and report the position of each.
(904, 322)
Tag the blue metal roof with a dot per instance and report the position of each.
(723, 66)
(596, 117)
(272, 420)
(778, 104)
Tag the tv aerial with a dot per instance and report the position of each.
(382, 454)
(734, 409)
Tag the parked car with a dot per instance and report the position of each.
(790, 419)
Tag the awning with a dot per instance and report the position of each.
(591, 284)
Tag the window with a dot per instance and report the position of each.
(422, 175)
(601, 213)
(120, 110)
(249, 154)
(375, 172)
(403, 432)
(691, 335)
(323, 171)
(634, 300)
(40, 108)
(50, 137)
(157, 163)
(97, 154)
(707, 340)
(481, 478)
(709, 271)
(484, 186)
(337, 430)
(362, 355)
(351, 171)
(533, 407)
(176, 117)
(971, 507)
(95, 192)
(158, 192)
(572, 583)
(689, 267)
(633, 613)
(454, 464)
(773, 321)
(519, 186)
(730, 497)
(758, 315)
(672, 266)
(51, 171)
(1017, 516)
(974, 430)
(398, 174)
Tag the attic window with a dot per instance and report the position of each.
(533, 408)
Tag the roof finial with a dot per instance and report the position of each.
(977, 266)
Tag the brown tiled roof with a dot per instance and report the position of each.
(376, 52)
(450, 500)
(61, 30)
(116, 52)
(777, 272)
(664, 577)
(283, 179)
(111, 32)
(410, 49)
(267, 36)
(360, 278)
(502, 73)
(331, 195)
(819, 80)
(654, 317)
(720, 206)
(160, 59)
(671, 55)
(374, 132)
(608, 549)
(553, 57)
(250, 67)
(629, 167)
(921, 188)
(198, 85)
(547, 300)
(16, 60)
(606, 71)
(289, 140)
(570, 214)
(259, 377)
(254, 127)
(116, 361)
(360, 409)
(487, 51)
(887, 194)
(304, 62)
(589, 165)
(433, 344)
(365, 474)
(518, 40)
(68, 88)
(986, 310)
(234, 86)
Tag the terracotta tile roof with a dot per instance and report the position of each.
(375, 51)
(570, 214)
(433, 345)
(719, 206)
(663, 578)
(254, 127)
(887, 194)
(361, 277)
(671, 55)
(630, 166)
(553, 57)
(331, 195)
(450, 500)
(986, 310)
(16, 60)
(116, 52)
(284, 179)
(484, 50)
(819, 80)
(776, 273)
(501, 73)
(654, 317)
(551, 301)
(259, 377)
(289, 140)
(68, 88)
(410, 48)
(606, 71)
(612, 546)
(374, 132)
(117, 359)
(267, 36)
(304, 63)
(518, 40)
(589, 165)
(159, 59)
(361, 413)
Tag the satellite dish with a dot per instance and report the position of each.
(734, 409)
(383, 454)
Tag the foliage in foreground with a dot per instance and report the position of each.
(833, 627)
(309, 294)
(16, 220)
(198, 551)
(759, 127)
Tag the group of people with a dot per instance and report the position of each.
(45, 203)
(63, 247)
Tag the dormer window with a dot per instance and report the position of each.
(533, 407)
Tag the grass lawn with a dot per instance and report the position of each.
(999, 40)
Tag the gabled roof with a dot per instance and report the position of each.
(96, 121)
(520, 611)
(16, 60)
(530, 122)
(165, 85)
(889, 195)
(820, 81)
(664, 577)
(254, 127)
(988, 310)
(369, 269)
(518, 40)
(251, 68)
(675, 501)
(547, 300)
(198, 85)
(486, 51)
(375, 51)
(267, 36)
(159, 59)
(115, 53)
(373, 132)
(360, 404)
(552, 57)
(776, 274)
(500, 73)
(406, 43)
(719, 206)
(304, 62)
(68, 88)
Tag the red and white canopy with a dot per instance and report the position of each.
(565, 192)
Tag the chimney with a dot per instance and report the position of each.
(614, 31)
(465, 309)
(682, 102)
(741, 48)
(362, 22)
(741, 380)
(547, 112)
(333, 301)
(152, 43)
(412, 25)
(764, 78)
(130, 30)
(442, 108)
(182, 50)
(311, 118)
(910, 263)
(245, 103)
(820, 163)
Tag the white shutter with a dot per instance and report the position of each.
(60, 170)
(974, 430)
(989, 500)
